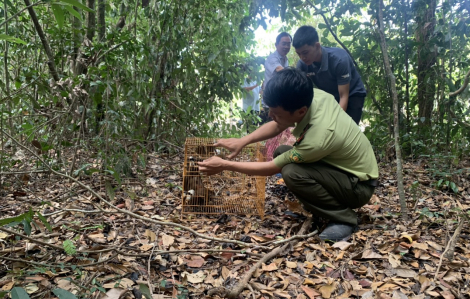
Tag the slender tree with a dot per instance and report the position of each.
(90, 20)
(394, 95)
(425, 23)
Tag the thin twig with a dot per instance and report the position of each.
(136, 216)
(244, 282)
(449, 250)
(23, 172)
(18, 13)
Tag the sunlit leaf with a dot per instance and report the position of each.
(12, 39)
(73, 12)
(59, 14)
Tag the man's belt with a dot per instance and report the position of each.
(371, 182)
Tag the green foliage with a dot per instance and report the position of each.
(63, 294)
(69, 247)
(25, 220)
(174, 68)
(144, 289)
(12, 39)
(19, 293)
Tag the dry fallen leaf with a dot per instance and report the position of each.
(407, 273)
(121, 283)
(327, 290)
(291, 265)
(8, 286)
(195, 261)
(270, 267)
(167, 240)
(311, 293)
(343, 245)
(197, 277)
(114, 293)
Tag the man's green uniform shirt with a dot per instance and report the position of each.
(327, 133)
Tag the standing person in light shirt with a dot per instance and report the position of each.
(275, 62)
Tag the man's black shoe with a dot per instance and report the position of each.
(337, 231)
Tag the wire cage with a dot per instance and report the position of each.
(228, 192)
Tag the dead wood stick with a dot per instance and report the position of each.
(244, 282)
(134, 215)
(450, 248)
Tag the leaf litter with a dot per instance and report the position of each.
(94, 251)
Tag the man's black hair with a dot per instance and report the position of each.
(281, 35)
(289, 89)
(305, 35)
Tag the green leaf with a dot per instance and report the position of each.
(63, 294)
(454, 187)
(12, 39)
(27, 227)
(77, 172)
(73, 12)
(76, 4)
(2, 294)
(12, 219)
(44, 221)
(144, 289)
(59, 14)
(19, 293)
(69, 248)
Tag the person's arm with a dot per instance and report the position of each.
(343, 79)
(343, 96)
(215, 165)
(272, 64)
(264, 132)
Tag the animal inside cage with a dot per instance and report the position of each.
(228, 192)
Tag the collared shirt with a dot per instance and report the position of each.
(272, 62)
(336, 68)
(328, 134)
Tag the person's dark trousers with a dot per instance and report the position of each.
(355, 105)
(325, 190)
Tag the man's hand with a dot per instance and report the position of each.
(211, 166)
(234, 145)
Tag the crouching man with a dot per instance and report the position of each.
(331, 168)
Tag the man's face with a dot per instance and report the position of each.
(284, 117)
(283, 47)
(309, 53)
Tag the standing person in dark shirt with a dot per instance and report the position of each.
(331, 70)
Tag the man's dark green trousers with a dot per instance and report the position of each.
(325, 190)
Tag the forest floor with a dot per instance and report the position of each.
(147, 249)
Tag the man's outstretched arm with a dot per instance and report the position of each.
(216, 165)
(266, 131)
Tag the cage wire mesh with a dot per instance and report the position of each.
(228, 192)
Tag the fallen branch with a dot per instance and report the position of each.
(148, 220)
(450, 248)
(244, 282)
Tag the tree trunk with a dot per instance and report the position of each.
(90, 20)
(78, 67)
(45, 43)
(394, 94)
(426, 22)
(407, 72)
(101, 20)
